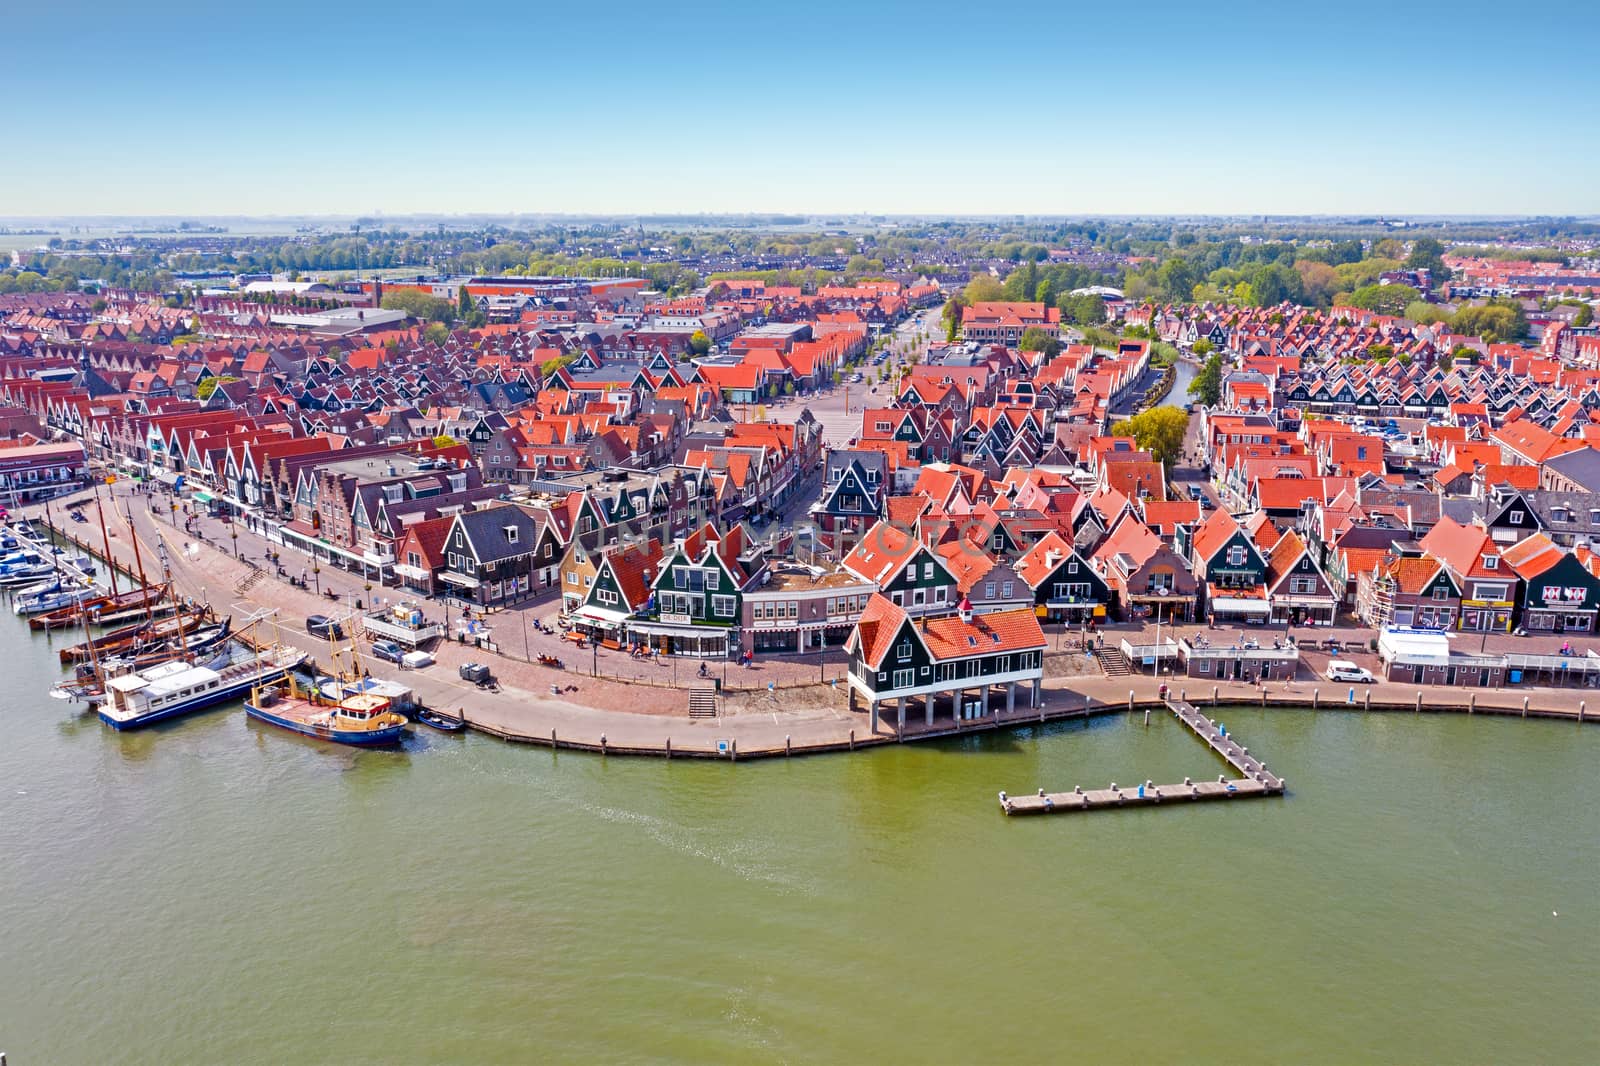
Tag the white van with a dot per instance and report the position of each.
(1345, 670)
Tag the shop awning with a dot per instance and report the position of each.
(1414, 646)
(449, 577)
(1233, 605)
(201, 497)
(599, 617)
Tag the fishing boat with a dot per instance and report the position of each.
(444, 723)
(146, 633)
(42, 602)
(101, 609)
(365, 719)
(140, 697)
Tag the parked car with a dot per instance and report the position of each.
(388, 651)
(319, 625)
(1345, 670)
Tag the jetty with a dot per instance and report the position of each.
(1254, 778)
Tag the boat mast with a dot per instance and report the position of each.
(88, 637)
(105, 539)
(138, 561)
(172, 590)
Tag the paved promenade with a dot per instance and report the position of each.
(628, 716)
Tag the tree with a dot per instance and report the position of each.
(1384, 299)
(210, 385)
(1202, 347)
(1584, 316)
(1318, 282)
(436, 333)
(1159, 431)
(1498, 321)
(420, 305)
(444, 440)
(983, 288)
(1428, 254)
(1176, 279)
(1207, 385)
(1273, 283)
(699, 343)
(1083, 309)
(1423, 312)
(1035, 339)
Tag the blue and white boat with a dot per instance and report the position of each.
(24, 573)
(365, 719)
(141, 697)
(41, 602)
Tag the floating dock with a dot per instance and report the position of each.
(1254, 779)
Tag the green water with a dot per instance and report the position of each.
(219, 892)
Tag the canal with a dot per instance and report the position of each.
(215, 891)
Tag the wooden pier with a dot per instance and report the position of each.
(1254, 780)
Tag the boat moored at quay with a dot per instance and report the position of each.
(139, 698)
(364, 719)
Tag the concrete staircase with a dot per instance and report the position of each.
(703, 700)
(249, 581)
(1113, 662)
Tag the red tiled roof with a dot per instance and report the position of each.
(1532, 556)
(876, 628)
(986, 634)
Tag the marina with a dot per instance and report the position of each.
(838, 846)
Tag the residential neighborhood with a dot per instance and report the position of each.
(751, 466)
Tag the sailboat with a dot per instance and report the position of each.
(102, 609)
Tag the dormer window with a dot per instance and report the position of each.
(1491, 562)
(511, 534)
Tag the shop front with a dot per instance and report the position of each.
(1486, 616)
(1239, 606)
(601, 625)
(691, 641)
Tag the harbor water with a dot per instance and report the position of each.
(217, 891)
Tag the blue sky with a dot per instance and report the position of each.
(826, 106)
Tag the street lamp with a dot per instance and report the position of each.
(233, 531)
(316, 574)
